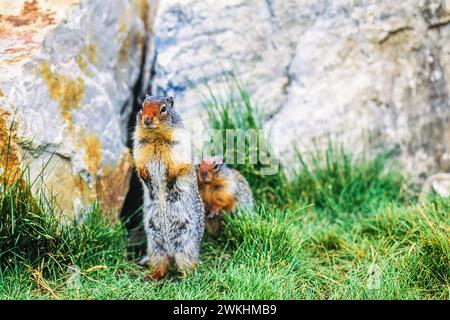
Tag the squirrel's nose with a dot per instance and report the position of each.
(203, 174)
(147, 121)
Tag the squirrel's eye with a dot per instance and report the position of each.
(163, 109)
(216, 167)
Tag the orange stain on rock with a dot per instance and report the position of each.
(124, 51)
(30, 15)
(26, 23)
(112, 185)
(9, 152)
(144, 9)
(88, 54)
(68, 91)
(91, 51)
(23, 28)
(93, 152)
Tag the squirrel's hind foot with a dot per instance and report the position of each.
(185, 264)
(159, 268)
(154, 276)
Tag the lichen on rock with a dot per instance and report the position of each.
(9, 154)
(68, 91)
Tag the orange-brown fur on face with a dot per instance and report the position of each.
(156, 141)
(214, 190)
(151, 111)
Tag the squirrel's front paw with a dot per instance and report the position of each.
(214, 212)
(211, 215)
(143, 174)
(175, 171)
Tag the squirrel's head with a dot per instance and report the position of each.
(210, 169)
(157, 112)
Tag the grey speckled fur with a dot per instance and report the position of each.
(174, 217)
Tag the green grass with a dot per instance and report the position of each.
(340, 183)
(236, 111)
(314, 236)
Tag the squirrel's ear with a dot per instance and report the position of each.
(170, 101)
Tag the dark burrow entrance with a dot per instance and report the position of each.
(131, 213)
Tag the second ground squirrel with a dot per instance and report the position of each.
(173, 211)
(223, 190)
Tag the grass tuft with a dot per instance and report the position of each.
(265, 235)
(33, 233)
(430, 262)
(338, 182)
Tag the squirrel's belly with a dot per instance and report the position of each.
(173, 204)
(157, 172)
(164, 194)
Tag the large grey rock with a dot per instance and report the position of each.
(67, 73)
(365, 73)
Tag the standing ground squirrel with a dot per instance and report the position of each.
(222, 189)
(173, 211)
